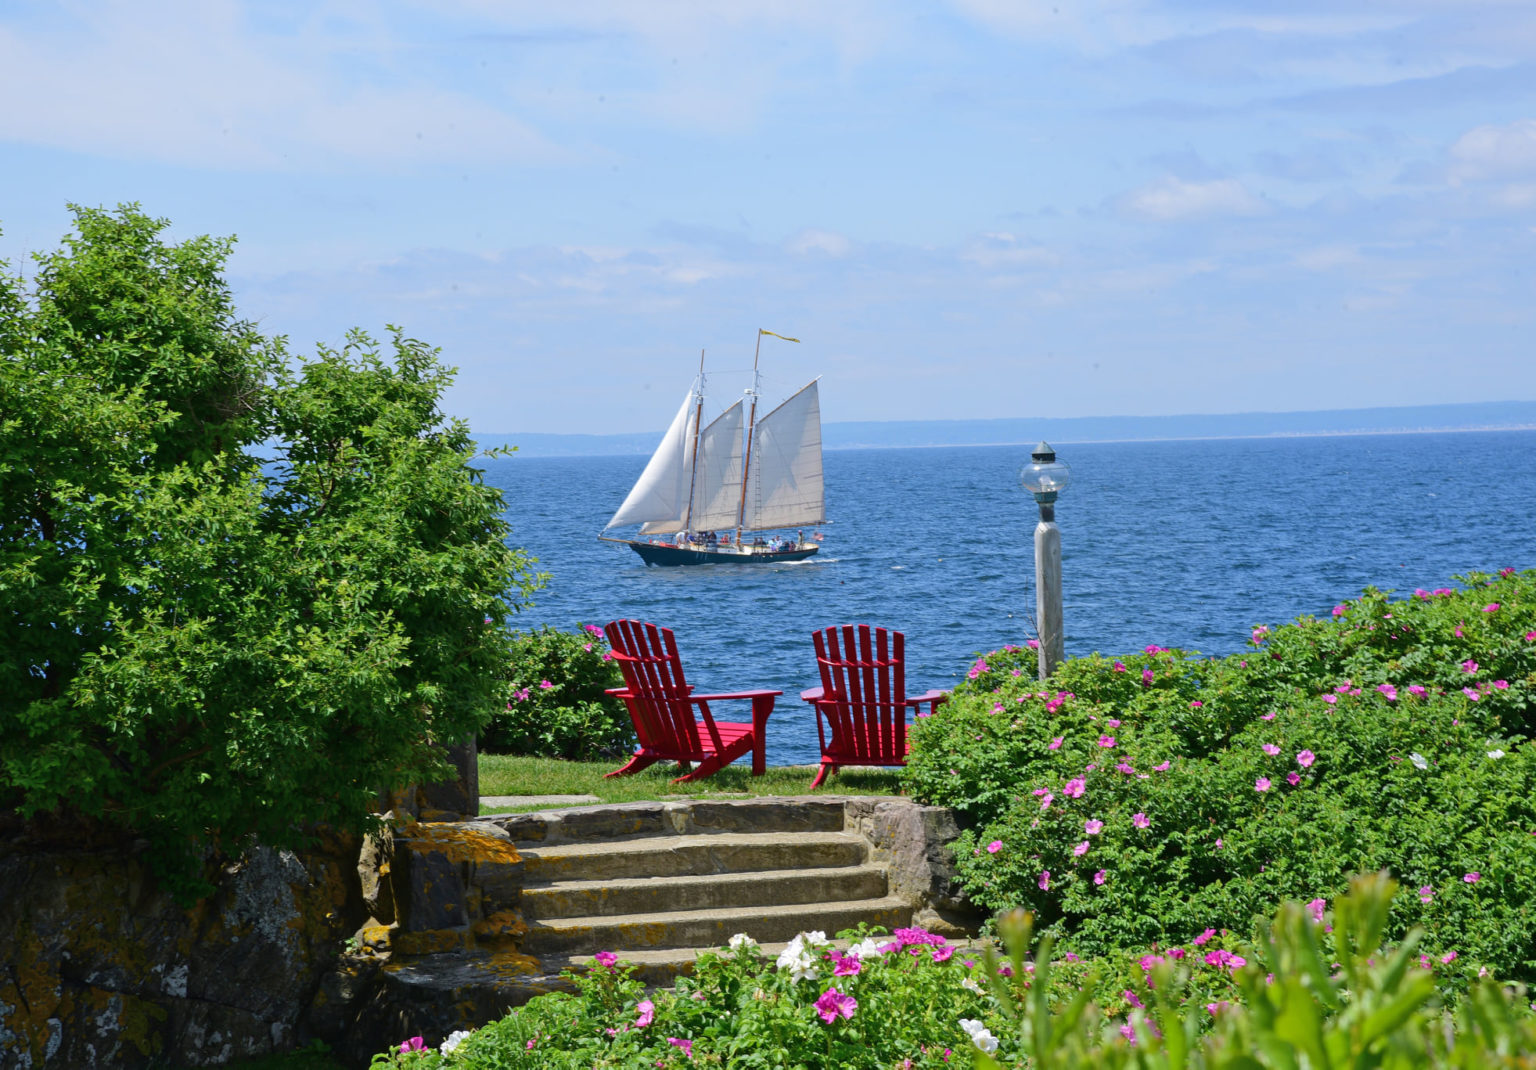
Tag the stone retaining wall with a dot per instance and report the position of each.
(99, 968)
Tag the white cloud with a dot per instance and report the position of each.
(1173, 199)
(1495, 151)
(197, 84)
(1003, 250)
(818, 241)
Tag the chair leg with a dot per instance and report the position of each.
(636, 763)
(826, 770)
(707, 768)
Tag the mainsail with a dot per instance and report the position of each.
(784, 478)
(717, 482)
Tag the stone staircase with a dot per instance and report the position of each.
(693, 879)
(475, 917)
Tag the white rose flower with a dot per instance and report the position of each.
(450, 1045)
(980, 1035)
(742, 942)
(972, 984)
(1495, 754)
(865, 949)
(1419, 760)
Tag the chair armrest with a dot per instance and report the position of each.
(735, 694)
(812, 694)
(934, 697)
(619, 692)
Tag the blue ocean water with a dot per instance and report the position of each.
(1185, 544)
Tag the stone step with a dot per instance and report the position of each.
(707, 928)
(677, 856)
(641, 895)
(685, 817)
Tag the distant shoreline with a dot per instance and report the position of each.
(1084, 430)
(1176, 438)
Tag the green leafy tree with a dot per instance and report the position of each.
(238, 595)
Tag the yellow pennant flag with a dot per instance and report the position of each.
(761, 331)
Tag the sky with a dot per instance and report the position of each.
(964, 209)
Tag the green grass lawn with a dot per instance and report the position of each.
(507, 774)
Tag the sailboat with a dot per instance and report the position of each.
(702, 482)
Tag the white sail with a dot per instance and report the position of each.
(659, 498)
(784, 478)
(717, 482)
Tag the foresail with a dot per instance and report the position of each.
(717, 485)
(660, 496)
(784, 483)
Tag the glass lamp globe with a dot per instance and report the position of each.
(1045, 476)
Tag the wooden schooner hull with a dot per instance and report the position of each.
(666, 556)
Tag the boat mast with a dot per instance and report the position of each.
(693, 461)
(746, 464)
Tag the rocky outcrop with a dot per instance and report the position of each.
(103, 969)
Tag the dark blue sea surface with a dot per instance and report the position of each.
(1185, 544)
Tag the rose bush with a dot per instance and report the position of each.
(558, 706)
(1139, 800)
(1317, 987)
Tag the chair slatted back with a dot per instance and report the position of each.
(653, 675)
(864, 685)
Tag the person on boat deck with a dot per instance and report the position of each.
(681, 539)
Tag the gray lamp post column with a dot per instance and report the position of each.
(1044, 478)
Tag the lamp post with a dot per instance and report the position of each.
(1044, 477)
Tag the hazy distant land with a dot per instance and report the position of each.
(885, 434)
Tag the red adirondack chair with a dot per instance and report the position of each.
(661, 703)
(861, 705)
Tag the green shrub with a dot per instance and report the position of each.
(1318, 987)
(1144, 799)
(239, 594)
(558, 707)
